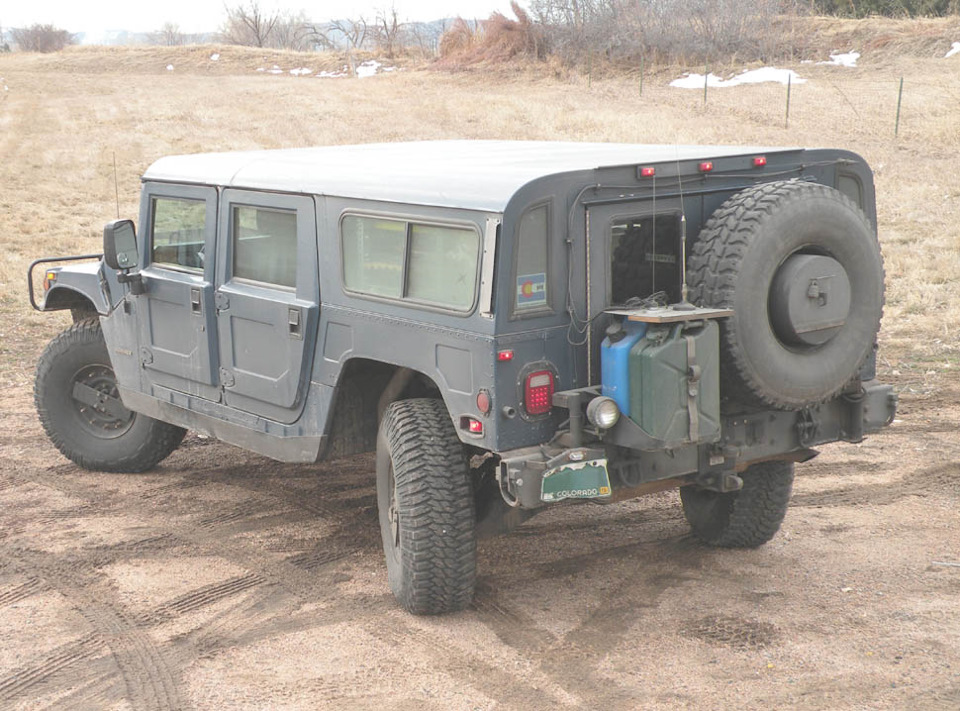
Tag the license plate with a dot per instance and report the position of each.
(576, 480)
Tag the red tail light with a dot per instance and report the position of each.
(538, 392)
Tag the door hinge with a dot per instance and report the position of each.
(146, 357)
(226, 378)
(222, 301)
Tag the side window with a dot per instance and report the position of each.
(411, 261)
(265, 245)
(531, 263)
(373, 255)
(443, 265)
(177, 232)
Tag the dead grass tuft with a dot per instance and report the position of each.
(498, 39)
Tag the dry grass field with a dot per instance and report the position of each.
(224, 580)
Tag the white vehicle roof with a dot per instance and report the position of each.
(479, 175)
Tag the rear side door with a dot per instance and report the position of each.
(177, 315)
(267, 301)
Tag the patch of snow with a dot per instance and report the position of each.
(214, 57)
(954, 49)
(368, 68)
(331, 75)
(839, 59)
(261, 69)
(752, 76)
(275, 70)
(301, 72)
(169, 67)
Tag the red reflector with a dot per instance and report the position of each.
(505, 355)
(706, 166)
(483, 402)
(759, 161)
(471, 425)
(648, 172)
(538, 393)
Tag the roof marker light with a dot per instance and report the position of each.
(504, 355)
(706, 166)
(648, 171)
(759, 161)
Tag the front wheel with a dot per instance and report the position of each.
(747, 518)
(80, 408)
(427, 509)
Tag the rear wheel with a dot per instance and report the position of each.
(80, 409)
(741, 519)
(427, 509)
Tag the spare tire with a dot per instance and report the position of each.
(800, 265)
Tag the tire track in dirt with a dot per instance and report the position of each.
(201, 597)
(572, 662)
(21, 592)
(55, 664)
(147, 671)
(943, 479)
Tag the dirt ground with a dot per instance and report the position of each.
(223, 580)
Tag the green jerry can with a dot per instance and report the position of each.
(675, 382)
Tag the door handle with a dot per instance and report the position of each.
(293, 324)
(196, 305)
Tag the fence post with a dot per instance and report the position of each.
(786, 121)
(896, 127)
(706, 80)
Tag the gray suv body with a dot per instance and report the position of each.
(508, 324)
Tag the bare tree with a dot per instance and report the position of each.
(387, 32)
(249, 25)
(4, 47)
(169, 35)
(292, 32)
(41, 38)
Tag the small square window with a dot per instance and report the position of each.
(265, 245)
(178, 231)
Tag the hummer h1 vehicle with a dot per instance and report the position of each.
(508, 325)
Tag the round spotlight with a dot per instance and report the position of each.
(603, 412)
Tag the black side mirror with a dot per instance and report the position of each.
(120, 245)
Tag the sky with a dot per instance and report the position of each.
(98, 16)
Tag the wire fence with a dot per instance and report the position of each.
(898, 107)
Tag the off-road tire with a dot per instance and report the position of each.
(427, 509)
(747, 518)
(95, 438)
(733, 264)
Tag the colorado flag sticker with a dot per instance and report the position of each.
(531, 289)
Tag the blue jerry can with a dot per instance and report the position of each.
(615, 363)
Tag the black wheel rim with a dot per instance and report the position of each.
(96, 402)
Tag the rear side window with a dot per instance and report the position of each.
(177, 232)
(411, 261)
(532, 293)
(265, 245)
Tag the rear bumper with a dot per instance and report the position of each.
(635, 462)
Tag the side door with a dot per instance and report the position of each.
(267, 301)
(177, 315)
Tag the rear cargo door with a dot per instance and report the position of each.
(178, 226)
(267, 301)
(634, 253)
